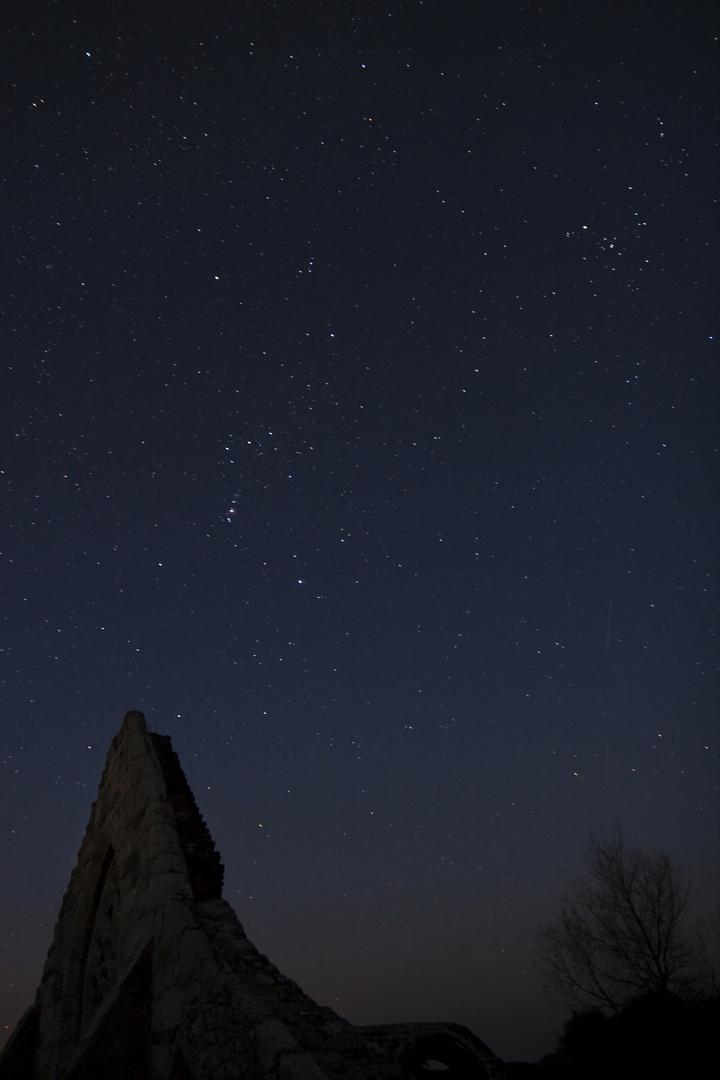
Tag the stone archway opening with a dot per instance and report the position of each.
(440, 1056)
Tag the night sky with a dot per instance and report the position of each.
(359, 427)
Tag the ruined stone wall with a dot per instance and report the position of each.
(150, 965)
(130, 868)
(151, 976)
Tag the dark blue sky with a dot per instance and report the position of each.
(359, 427)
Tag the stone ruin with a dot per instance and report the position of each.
(151, 977)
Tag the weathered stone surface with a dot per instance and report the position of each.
(151, 976)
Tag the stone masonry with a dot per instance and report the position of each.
(151, 977)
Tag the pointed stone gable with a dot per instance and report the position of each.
(151, 976)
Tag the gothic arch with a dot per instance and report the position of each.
(85, 948)
(100, 946)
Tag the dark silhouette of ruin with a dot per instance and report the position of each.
(151, 977)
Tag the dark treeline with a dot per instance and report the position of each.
(658, 1038)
